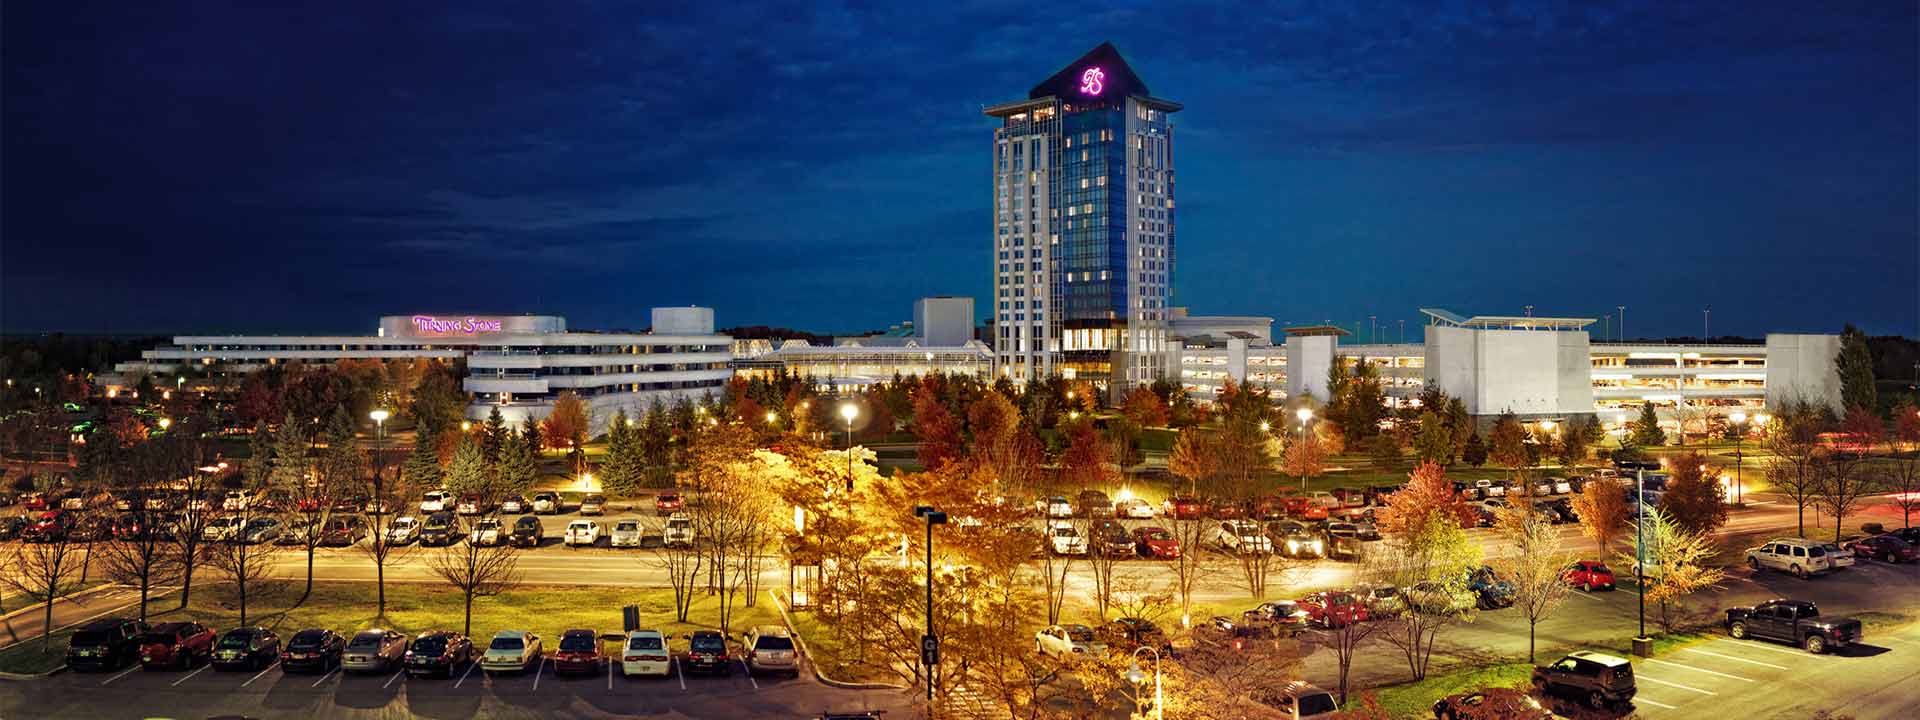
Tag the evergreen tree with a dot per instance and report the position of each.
(515, 469)
(656, 445)
(1855, 366)
(1475, 451)
(290, 465)
(530, 436)
(467, 471)
(494, 434)
(1646, 430)
(259, 464)
(340, 461)
(620, 472)
(1386, 451)
(1459, 423)
(1434, 443)
(422, 469)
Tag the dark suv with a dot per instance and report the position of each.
(250, 648)
(176, 645)
(1597, 678)
(526, 532)
(707, 651)
(440, 529)
(105, 644)
(313, 649)
(438, 653)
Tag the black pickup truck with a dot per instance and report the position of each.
(1795, 621)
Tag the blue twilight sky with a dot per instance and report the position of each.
(184, 166)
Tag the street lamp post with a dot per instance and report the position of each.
(1641, 645)
(849, 412)
(930, 644)
(1305, 415)
(1137, 677)
(1739, 420)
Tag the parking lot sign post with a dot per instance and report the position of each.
(929, 650)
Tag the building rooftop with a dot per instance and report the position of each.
(1504, 322)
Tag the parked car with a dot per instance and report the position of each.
(546, 503)
(1801, 557)
(1588, 575)
(49, 526)
(259, 530)
(1183, 507)
(1794, 621)
(1296, 539)
(91, 528)
(1436, 597)
(250, 648)
(11, 526)
(1110, 538)
(706, 651)
(1559, 485)
(403, 530)
(176, 645)
(526, 532)
(511, 650)
(1279, 617)
(1381, 600)
(374, 506)
(1490, 589)
(1887, 548)
(1155, 542)
(438, 653)
(222, 529)
(1597, 678)
(1225, 509)
(1130, 633)
(579, 652)
(105, 644)
(668, 503)
(645, 653)
(1333, 608)
(297, 529)
(582, 532)
(1056, 507)
(1133, 509)
(1241, 537)
(595, 504)
(374, 650)
(1838, 557)
(472, 504)
(1068, 640)
(342, 531)
(1356, 530)
(626, 533)
(1299, 700)
(316, 649)
(513, 505)
(769, 648)
(74, 500)
(1093, 504)
(1492, 488)
(236, 500)
(678, 532)
(1490, 704)
(487, 533)
(433, 501)
(440, 529)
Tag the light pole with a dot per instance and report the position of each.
(1138, 677)
(849, 412)
(1739, 420)
(1305, 414)
(1641, 645)
(379, 538)
(930, 644)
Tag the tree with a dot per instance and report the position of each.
(312, 489)
(1003, 444)
(467, 474)
(1123, 439)
(1434, 440)
(385, 498)
(1344, 640)
(1646, 430)
(936, 427)
(732, 507)
(249, 567)
(1508, 445)
(1903, 473)
(143, 558)
(1194, 459)
(422, 469)
(1386, 451)
(1305, 458)
(565, 428)
(1793, 444)
(1677, 565)
(190, 454)
(1145, 408)
(476, 571)
(1572, 448)
(1085, 462)
(516, 467)
(1602, 509)
(43, 572)
(1536, 567)
(1474, 452)
(1425, 547)
(620, 471)
(1694, 499)
(495, 434)
(1842, 477)
(1854, 364)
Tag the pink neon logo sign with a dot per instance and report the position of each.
(430, 325)
(1092, 81)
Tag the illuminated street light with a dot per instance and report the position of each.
(166, 423)
(1739, 420)
(379, 417)
(466, 426)
(849, 411)
(1264, 427)
(1304, 414)
(772, 417)
(1138, 677)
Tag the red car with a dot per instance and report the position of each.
(1186, 507)
(176, 645)
(1224, 509)
(1303, 507)
(1155, 542)
(1333, 608)
(579, 652)
(34, 501)
(1885, 548)
(668, 503)
(1589, 574)
(1271, 507)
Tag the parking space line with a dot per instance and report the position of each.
(1699, 670)
(323, 678)
(1638, 699)
(681, 670)
(537, 669)
(609, 674)
(183, 678)
(256, 676)
(1739, 659)
(123, 673)
(463, 676)
(749, 672)
(396, 676)
(1658, 681)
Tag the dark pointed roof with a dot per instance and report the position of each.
(1114, 77)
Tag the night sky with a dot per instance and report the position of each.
(184, 167)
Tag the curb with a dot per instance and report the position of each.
(822, 677)
(33, 676)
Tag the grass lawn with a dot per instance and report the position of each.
(834, 658)
(346, 608)
(1415, 699)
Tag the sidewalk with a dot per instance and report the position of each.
(26, 623)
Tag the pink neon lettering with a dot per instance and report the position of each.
(1092, 81)
(467, 326)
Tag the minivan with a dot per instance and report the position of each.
(1795, 555)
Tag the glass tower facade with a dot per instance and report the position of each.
(1083, 227)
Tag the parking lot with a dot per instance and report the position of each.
(204, 692)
